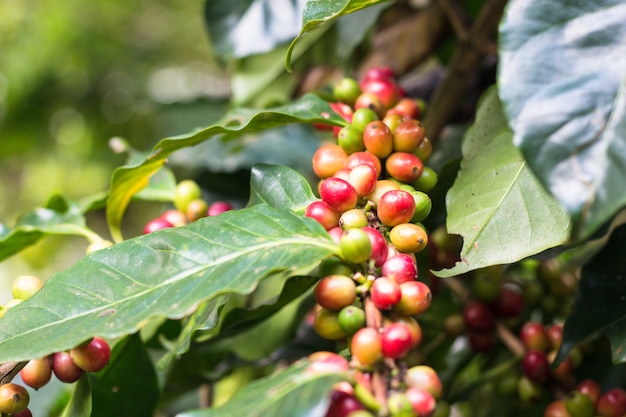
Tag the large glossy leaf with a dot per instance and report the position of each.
(114, 291)
(279, 186)
(319, 12)
(292, 392)
(598, 307)
(496, 203)
(239, 28)
(59, 217)
(130, 179)
(128, 385)
(562, 78)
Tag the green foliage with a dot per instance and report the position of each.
(511, 218)
(562, 83)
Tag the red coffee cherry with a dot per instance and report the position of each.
(359, 158)
(396, 340)
(335, 292)
(400, 268)
(408, 135)
(378, 139)
(415, 298)
(13, 398)
(535, 366)
(395, 207)
(590, 388)
(366, 346)
(64, 367)
(404, 166)
(156, 224)
(338, 194)
(92, 356)
(422, 401)
(555, 335)
(424, 377)
(323, 213)
(385, 293)
(24, 413)
(412, 325)
(408, 237)
(612, 403)
(372, 102)
(363, 178)
(37, 372)
(384, 88)
(328, 159)
(509, 303)
(481, 341)
(342, 404)
(380, 249)
(323, 361)
(478, 316)
(382, 187)
(533, 336)
(408, 107)
(218, 207)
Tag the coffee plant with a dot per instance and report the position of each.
(436, 254)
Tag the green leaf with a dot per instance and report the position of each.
(598, 307)
(115, 291)
(318, 12)
(80, 402)
(59, 217)
(496, 203)
(128, 385)
(129, 179)
(291, 392)
(279, 186)
(562, 79)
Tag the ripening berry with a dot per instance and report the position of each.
(395, 207)
(378, 139)
(408, 237)
(335, 292)
(13, 398)
(338, 194)
(366, 346)
(328, 159)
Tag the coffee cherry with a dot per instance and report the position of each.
(385, 89)
(422, 401)
(335, 292)
(400, 268)
(326, 324)
(393, 120)
(24, 413)
(355, 246)
(363, 178)
(385, 293)
(372, 102)
(408, 135)
(424, 150)
(478, 316)
(24, 286)
(323, 361)
(323, 213)
(362, 117)
(347, 90)
(533, 336)
(409, 107)
(556, 409)
(186, 190)
(359, 158)
(412, 325)
(175, 217)
(196, 209)
(398, 404)
(424, 377)
(366, 346)
(156, 224)
(37, 372)
(395, 207)
(396, 340)
(351, 319)
(13, 398)
(404, 166)
(328, 159)
(382, 187)
(380, 249)
(590, 388)
(579, 404)
(427, 181)
(423, 206)
(92, 356)
(342, 404)
(509, 303)
(64, 367)
(454, 325)
(535, 366)
(334, 266)
(529, 391)
(336, 233)
(350, 139)
(353, 219)
(415, 298)
(555, 335)
(378, 139)
(481, 341)
(612, 403)
(338, 194)
(409, 237)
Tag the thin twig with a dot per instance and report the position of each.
(457, 18)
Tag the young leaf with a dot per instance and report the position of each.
(128, 385)
(322, 11)
(290, 392)
(59, 217)
(279, 186)
(496, 204)
(563, 84)
(129, 179)
(114, 291)
(598, 307)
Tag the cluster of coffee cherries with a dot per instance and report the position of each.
(588, 399)
(67, 366)
(189, 207)
(373, 195)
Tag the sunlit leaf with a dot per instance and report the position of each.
(562, 79)
(290, 392)
(279, 186)
(130, 179)
(496, 203)
(114, 291)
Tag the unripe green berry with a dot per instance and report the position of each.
(355, 246)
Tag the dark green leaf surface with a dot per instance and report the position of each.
(128, 385)
(321, 11)
(598, 307)
(279, 186)
(496, 203)
(114, 291)
(59, 217)
(563, 83)
(291, 392)
(130, 179)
